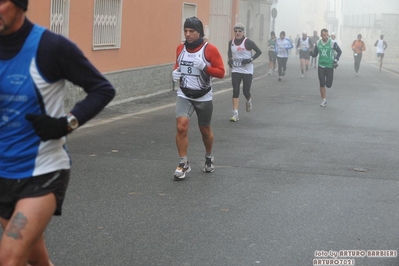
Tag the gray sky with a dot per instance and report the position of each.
(288, 12)
(287, 15)
(384, 6)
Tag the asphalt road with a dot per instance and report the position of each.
(292, 179)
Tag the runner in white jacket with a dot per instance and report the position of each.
(283, 45)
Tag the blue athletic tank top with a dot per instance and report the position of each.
(24, 90)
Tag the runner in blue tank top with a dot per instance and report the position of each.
(34, 162)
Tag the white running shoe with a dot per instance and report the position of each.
(181, 171)
(323, 103)
(249, 106)
(209, 166)
(234, 118)
(302, 76)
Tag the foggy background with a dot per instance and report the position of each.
(287, 18)
(346, 18)
(289, 12)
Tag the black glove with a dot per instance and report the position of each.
(246, 61)
(335, 63)
(47, 127)
(230, 63)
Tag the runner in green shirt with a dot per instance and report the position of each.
(328, 60)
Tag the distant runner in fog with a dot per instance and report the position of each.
(296, 41)
(358, 47)
(314, 39)
(272, 53)
(292, 41)
(283, 45)
(381, 46)
(304, 46)
(333, 36)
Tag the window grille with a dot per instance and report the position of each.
(59, 18)
(107, 24)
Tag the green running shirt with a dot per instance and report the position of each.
(326, 53)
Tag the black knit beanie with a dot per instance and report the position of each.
(21, 3)
(195, 24)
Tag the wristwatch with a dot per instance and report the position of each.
(72, 122)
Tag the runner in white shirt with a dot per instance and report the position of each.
(283, 45)
(304, 45)
(381, 46)
(242, 67)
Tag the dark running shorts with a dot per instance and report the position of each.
(12, 190)
(186, 107)
(304, 54)
(326, 76)
(272, 56)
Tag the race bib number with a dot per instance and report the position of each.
(187, 68)
(237, 62)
